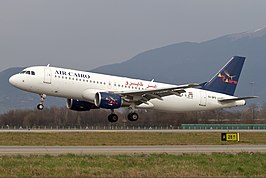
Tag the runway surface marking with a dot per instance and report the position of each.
(116, 150)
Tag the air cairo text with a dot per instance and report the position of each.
(72, 74)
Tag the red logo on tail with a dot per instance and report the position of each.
(227, 78)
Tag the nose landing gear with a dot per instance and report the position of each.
(40, 106)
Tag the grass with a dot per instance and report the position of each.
(162, 165)
(123, 139)
(218, 165)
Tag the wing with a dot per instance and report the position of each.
(139, 97)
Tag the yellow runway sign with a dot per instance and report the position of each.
(230, 137)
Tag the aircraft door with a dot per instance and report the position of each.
(203, 98)
(47, 76)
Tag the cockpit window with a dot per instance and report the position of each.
(27, 72)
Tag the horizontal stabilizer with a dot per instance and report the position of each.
(236, 99)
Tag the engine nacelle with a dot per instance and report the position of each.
(108, 100)
(77, 105)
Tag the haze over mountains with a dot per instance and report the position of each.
(197, 62)
(177, 63)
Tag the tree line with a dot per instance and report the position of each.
(63, 117)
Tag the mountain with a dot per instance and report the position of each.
(177, 63)
(197, 62)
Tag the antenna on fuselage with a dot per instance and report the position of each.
(48, 65)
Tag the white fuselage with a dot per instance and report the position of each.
(82, 85)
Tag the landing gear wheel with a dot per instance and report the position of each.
(133, 116)
(112, 118)
(40, 106)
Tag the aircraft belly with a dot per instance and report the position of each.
(175, 104)
(65, 90)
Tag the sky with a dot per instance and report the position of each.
(85, 34)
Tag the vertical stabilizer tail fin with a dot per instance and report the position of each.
(226, 80)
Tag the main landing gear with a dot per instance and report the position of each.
(132, 116)
(40, 106)
(112, 117)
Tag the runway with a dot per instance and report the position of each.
(118, 150)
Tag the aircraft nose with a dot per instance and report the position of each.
(13, 80)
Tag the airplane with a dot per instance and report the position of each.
(86, 90)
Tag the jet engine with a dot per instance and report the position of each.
(108, 100)
(77, 105)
